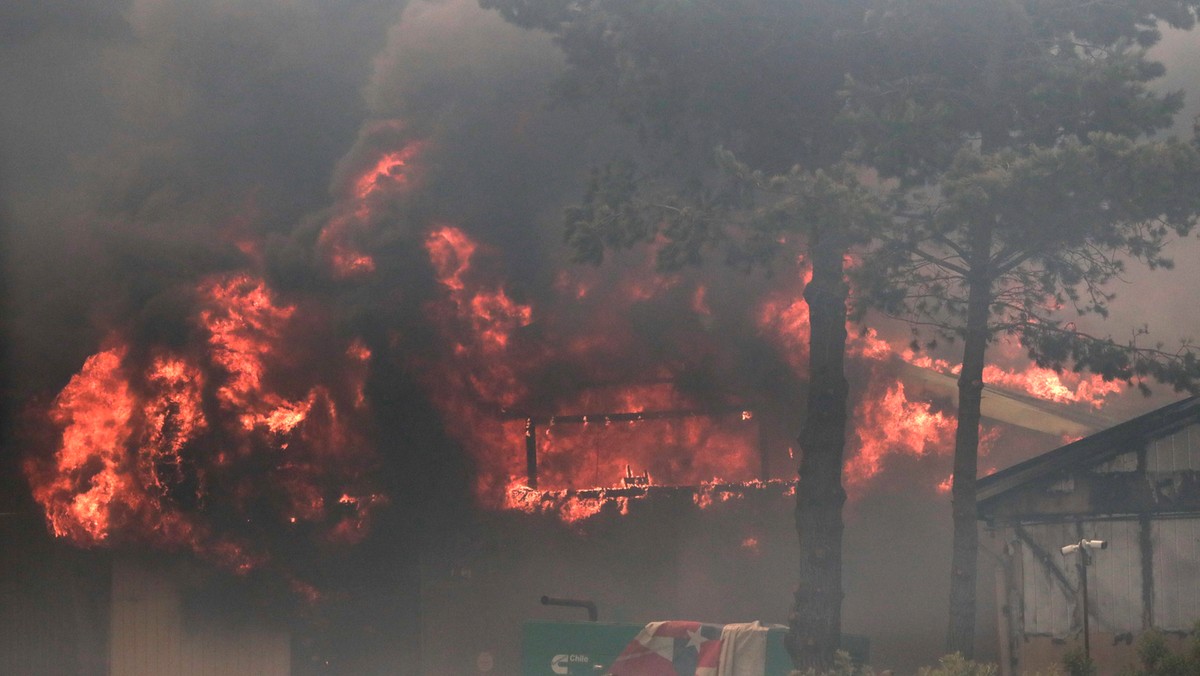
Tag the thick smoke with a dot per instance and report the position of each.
(148, 145)
(142, 139)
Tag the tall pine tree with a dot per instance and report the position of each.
(1014, 135)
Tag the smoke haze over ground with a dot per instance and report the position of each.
(148, 147)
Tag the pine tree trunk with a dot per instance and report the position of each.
(960, 637)
(816, 621)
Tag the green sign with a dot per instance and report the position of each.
(559, 648)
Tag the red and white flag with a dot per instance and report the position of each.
(677, 648)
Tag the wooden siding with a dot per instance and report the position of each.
(1048, 596)
(1117, 594)
(1176, 544)
(1175, 453)
(1114, 579)
(151, 635)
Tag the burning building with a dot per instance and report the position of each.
(344, 390)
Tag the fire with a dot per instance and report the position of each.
(886, 420)
(390, 177)
(243, 322)
(578, 505)
(700, 301)
(672, 442)
(1053, 386)
(152, 452)
(583, 443)
(174, 417)
(784, 316)
(893, 424)
(336, 241)
(95, 410)
(946, 484)
(602, 435)
(391, 171)
(450, 251)
(488, 316)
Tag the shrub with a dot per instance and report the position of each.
(1077, 664)
(957, 665)
(842, 666)
(1157, 659)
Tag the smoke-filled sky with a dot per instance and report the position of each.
(149, 146)
(141, 140)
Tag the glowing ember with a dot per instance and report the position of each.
(576, 506)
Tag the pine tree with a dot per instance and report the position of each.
(1013, 134)
(760, 78)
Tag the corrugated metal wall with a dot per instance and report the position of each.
(150, 635)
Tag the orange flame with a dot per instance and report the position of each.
(140, 451)
(392, 171)
(95, 410)
(485, 385)
(1053, 386)
(893, 424)
(392, 176)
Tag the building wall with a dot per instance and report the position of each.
(53, 604)
(1176, 566)
(1176, 452)
(151, 635)
(1146, 578)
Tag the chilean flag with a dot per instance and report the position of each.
(672, 649)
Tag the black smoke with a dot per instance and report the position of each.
(140, 142)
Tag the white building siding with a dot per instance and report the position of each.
(1176, 573)
(1175, 453)
(1115, 596)
(1115, 577)
(1049, 608)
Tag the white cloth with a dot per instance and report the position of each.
(743, 650)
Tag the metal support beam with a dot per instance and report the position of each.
(531, 462)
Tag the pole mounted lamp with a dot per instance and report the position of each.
(1084, 548)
